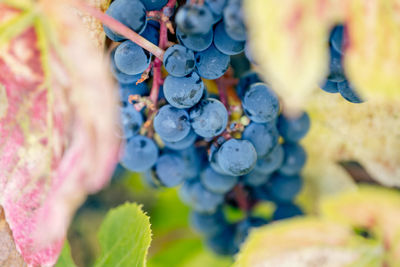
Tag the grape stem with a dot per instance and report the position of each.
(157, 81)
(222, 92)
(241, 197)
(120, 28)
(225, 86)
(162, 43)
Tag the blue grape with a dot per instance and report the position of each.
(348, 93)
(132, 13)
(222, 242)
(255, 178)
(244, 227)
(337, 38)
(112, 35)
(336, 71)
(330, 87)
(240, 64)
(260, 103)
(207, 224)
(151, 33)
(226, 44)
(119, 75)
(216, 182)
(294, 159)
(203, 200)
(125, 90)
(286, 210)
(192, 158)
(237, 157)
(154, 4)
(170, 170)
(149, 178)
(183, 92)
(185, 191)
(211, 63)
(233, 18)
(195, 42)
(209, 118)
(284, 188)
(131, 58)
(171, 124)
(214, 164)
(140, 154)
(295, 128)
(184, 143)
(216, 6)
(154, 23)
(194, 19)
(249, 53)
(271, 162)
(178, 60)
(131, 121)
(245, 81)
(263, 136)
(216, 17)
(261, 192)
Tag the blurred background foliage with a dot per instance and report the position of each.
(174, 243)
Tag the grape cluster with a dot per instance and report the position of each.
(336, 82)
(230, 150)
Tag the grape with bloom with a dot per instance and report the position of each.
(230, 147)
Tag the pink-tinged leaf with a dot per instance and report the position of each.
(57, 136)
(9, 255)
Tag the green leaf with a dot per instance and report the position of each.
(124, 237)
(65, 259)
(169, 212)
(192, 253)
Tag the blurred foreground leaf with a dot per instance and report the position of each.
(124, 237)
(357, 228)
(289, 39)
(376, 210)
(9, 255)
(54, 149)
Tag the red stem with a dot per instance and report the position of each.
(170, 4)
(162, 43)
(241, 197)
(120, 28)
(156, 81)
(222, 91)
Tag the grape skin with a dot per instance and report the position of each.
(171, 124)
(209, 118)
(211, 63)
(178, 60)
(132, 13)
(192, 121)
(237, 157)
(260, 103)
(183, 92)
(140, 154)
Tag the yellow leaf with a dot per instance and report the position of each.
(290, 39)
(375, 209)
(372, 59)
(302, 242)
